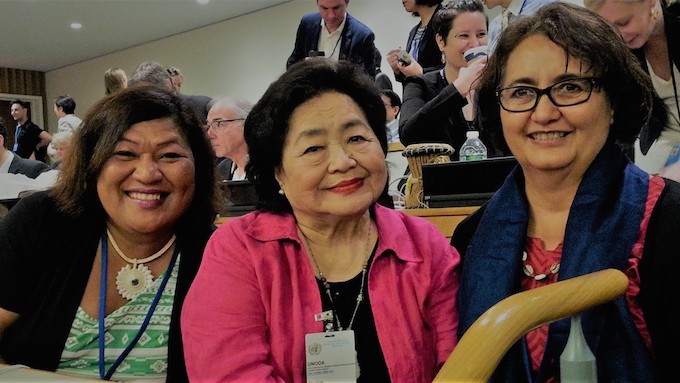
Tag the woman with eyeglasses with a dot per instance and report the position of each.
(432, 107)
(564, 91)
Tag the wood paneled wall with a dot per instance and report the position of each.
(19, 81)
(26, 82)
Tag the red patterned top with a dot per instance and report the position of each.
(541, 260)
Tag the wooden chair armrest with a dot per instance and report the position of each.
(488, 339)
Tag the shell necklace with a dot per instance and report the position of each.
(131, 281)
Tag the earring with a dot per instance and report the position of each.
(653, 12)
(443, 58)
(281, 192)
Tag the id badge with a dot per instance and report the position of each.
(331, 357)
(674, 156)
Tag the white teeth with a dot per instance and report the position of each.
(146, 197)
(548, 136)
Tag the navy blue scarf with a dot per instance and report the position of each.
(602, 227)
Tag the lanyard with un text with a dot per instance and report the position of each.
(103, 374)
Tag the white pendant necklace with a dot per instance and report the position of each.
(132, 280)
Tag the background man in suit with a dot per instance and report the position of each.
(225, 129)
(333, 31)
(30, 141)
(11, 163)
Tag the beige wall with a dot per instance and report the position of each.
(238, 57)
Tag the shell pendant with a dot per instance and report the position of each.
(132, 280)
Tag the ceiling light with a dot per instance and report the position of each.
(76, 25)
(203, 1)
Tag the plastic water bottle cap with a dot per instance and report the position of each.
(472, 134)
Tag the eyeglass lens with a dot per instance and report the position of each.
(564, 93)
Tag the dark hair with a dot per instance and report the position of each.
(393, 96)
(66, 103)
(104, 126)
(172, 71)
(24, 104)
(429, 3)
(442, 22)
(268, 122)
(3, 132)
(587, 37)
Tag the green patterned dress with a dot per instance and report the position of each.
(148, 359)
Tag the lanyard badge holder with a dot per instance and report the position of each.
(331, 355)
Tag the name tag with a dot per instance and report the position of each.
(331, 357)
(674, 156)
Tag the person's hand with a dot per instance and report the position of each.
(672, 172)
(469, 109)
(392, 60)
(412, 69)
(468, 75)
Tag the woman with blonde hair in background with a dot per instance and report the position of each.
(114, 80)
(654, 36)
(60, 147)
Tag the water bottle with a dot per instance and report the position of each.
(473, 149)
(577, 362)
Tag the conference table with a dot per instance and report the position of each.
(20, 373)
(445, 218)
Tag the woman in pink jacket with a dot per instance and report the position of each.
(321, 282)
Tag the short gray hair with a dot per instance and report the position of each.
(241, 108)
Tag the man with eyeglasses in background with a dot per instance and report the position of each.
(334, 34)
(225, 130)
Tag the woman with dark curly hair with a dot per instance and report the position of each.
(566, 94)
(320, 259)
(93, 273)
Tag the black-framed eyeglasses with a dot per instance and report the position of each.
(522, 98)
(216, 124)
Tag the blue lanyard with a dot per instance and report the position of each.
(522, 7)
(103, 374)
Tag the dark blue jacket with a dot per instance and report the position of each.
(429, 55)
(356, 43)
(596, 244)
